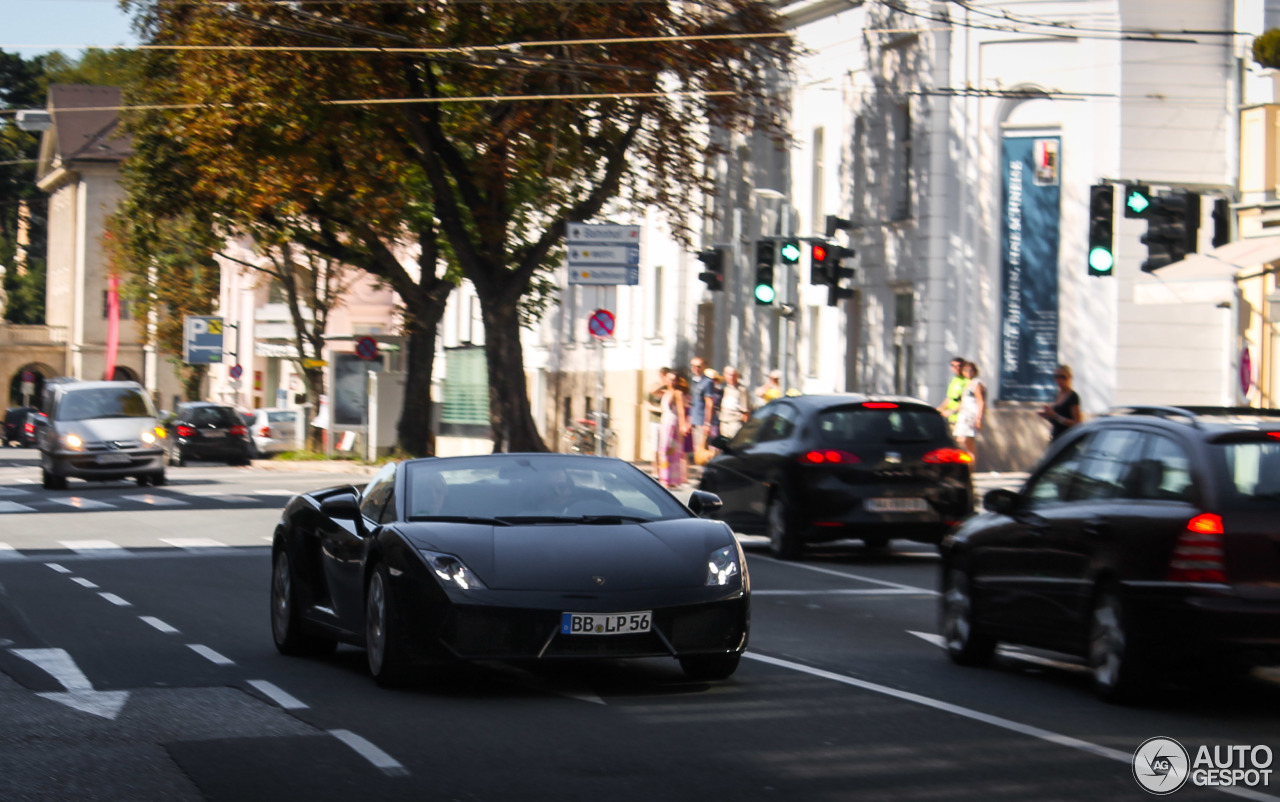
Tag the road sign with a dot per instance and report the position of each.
(603, 254)
(367, 348)
(601, 323)
(236, 371)
(202, 340)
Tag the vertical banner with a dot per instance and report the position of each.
(1031, 168)
(113, 325)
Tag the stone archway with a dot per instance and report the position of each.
(123, 374)
(38, 372)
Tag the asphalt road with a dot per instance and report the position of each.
(136, 663)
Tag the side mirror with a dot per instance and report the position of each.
(719, 441)
(1000, 501)
(702, 503)
(342, 507)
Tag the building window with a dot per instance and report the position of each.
(466, 387)
(819, 186)
(124, 307)
(655, 321)
(814, 339)
(900, 142)
(903, 342)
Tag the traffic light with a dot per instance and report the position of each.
(713, 260)
(827, 258)
(1102, 258)
(790, 251)
(1137, 200)
(1173, 227)
(818, 263)
(764, 292)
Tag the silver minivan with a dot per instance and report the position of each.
(99, 431)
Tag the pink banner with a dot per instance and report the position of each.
(113, 324)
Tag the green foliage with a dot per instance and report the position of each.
(1266, 49)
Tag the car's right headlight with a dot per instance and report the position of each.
(451, 570)
(73, 442)
(722, 566)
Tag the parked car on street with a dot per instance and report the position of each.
(538, 557)
(1146, 542)
(203, 430)
(815, 468)
(274, 430)
(99, 431)
(20, 426)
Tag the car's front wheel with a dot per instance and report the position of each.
(286, 618)
(784, 543)
(710, 666)
(1118, 674)
(388, 662)
(51, 481)
(966, 645)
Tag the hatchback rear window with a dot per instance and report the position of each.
(1253, 469)
(214, 416)
(859, 425)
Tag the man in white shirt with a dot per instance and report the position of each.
(735, 406)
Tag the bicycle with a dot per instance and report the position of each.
(580, 438)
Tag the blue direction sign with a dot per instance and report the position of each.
(601, 253)
(202, 340)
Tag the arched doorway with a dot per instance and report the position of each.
(27, 384)
(123, 374)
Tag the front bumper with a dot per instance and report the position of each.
(118, 464)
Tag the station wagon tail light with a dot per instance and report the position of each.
(948, 456)
(29, 427)
(239, 430)
(265, 431)
(879, 405)
(186, 431)
(829, 456)
(1198, 554)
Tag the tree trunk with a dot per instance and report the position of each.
(414, 431)
(315, 388)
(509, 412)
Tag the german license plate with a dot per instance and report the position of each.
(214, 433)
(605, 623)
(896, 505)
(113, 459)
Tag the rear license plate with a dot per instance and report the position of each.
(113, 459)
(605, 623)
(896, 505)
(214, 433)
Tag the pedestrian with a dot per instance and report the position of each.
(673, 429)
(700, 404)
(772, 388)
(973, 408)
(950, 406)
(735, 404)
(1064, 412)
(653, 402)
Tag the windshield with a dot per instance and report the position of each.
(535, 488)
(104, 402)
(1253, 469)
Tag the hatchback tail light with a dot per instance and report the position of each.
(1198, 555)
(239, 430)
(828, 456)
(29, 427)
(186, 431)
(265, 431)
(948, 456)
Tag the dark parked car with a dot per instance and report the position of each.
(1147, 543)
(206, 431)
(20, 426)
(509, 557)
(815, 468)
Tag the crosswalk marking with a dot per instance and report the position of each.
(82, 503)
(13, 506)
(157, 501)
(97, 548)
(14, 491)
(193, 542)
(8, 552)
(275, 492)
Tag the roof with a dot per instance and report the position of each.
(86, 124)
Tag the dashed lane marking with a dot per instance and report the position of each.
(158, 624)
(116, 600)
(82, 582)
(210, 655)
(278, 695)
(363, 747)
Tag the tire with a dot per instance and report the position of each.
(384, 645)
(52, 482)
(784, 543)
(965, 642)
(710, 666)
(1118, 672)
(143, 479)
(159, 479)
(286, 618)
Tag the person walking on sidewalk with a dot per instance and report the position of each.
(673, 429)
(701, 403)
(735, 404)
(772, 387)
(973, 408)
(1064, 412)
(950, 406)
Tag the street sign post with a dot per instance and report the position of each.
(202, 340)
(367, 348)
(601, 323)
(603, 254)
(237, 371)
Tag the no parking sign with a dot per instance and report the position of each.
(601, 323)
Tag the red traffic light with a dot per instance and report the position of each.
(819, 253)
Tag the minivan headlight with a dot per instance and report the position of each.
(73, 442)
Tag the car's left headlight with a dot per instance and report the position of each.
(151, 436)
(451, 570)
(722, 566)
(73, 442)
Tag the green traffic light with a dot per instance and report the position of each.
(1137, 202)
(765, 293)
(1101, 260)
(790, 252)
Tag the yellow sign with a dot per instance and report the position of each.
(311, 364)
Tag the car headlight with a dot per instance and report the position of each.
(722, 566)
(152, 436)
(73, 442)
(452, 571)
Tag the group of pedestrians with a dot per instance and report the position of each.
(689, 412)
(966, 404)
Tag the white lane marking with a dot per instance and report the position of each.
(158, 624)
(985, 718)
(1007, 651)
(210, 655)
(389, 765)
(82, 503)
(275, 492)
(116, 600)
(845, 592)
(13, 506)
(8, 552)
(82, 582)
(193, 542)
(95, 548)
(277, 695)
(60, 569)
(13, 491)
(819, 569)
(80, 694)
(158, 501)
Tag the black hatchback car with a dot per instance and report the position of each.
(20, 426)
(1146, 541)
(207, 431)
(816, 468)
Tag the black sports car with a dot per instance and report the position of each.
(509, 557)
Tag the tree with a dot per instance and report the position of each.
(494, 123)
(22, 205)
(1266, 49)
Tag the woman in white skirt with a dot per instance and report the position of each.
(973, 406)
